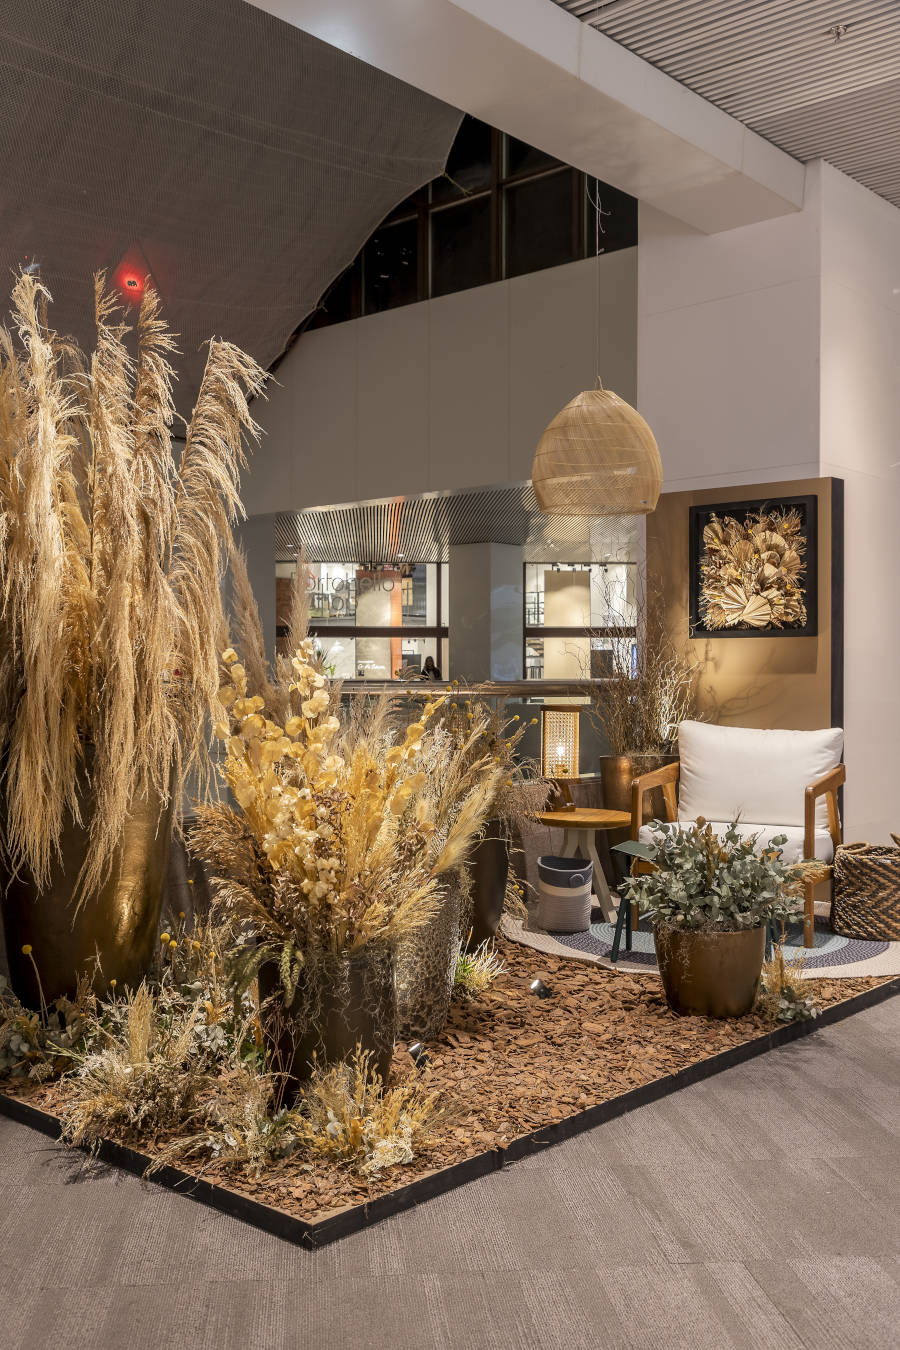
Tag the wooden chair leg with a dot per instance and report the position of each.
(809, 913)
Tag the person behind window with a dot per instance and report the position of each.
(430, 671)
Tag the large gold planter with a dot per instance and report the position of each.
(710, 974)
(118, 924)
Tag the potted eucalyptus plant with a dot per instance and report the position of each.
(710, 898)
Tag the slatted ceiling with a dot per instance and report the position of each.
(774, 65)
(423, 528)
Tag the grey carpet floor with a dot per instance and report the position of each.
(758, 1209)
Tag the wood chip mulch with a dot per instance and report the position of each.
(511, 1063)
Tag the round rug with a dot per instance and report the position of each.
(830, 957)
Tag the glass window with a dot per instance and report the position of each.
(390, 266)
(332, 593)
(461, 246)
(522, 158)
(469, 165)
(539, 217)
(339, 655)
(534, 658)
(445, 595)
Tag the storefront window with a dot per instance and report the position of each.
(371, 621)
(575, 613)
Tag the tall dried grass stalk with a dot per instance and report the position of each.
(638, 711)
(110, 562)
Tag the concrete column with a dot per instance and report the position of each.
(256, 537)
(486, 612)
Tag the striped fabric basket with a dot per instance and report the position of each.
(564, 890)
(866, 898)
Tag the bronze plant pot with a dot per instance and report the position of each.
(488, 865)
(118, 924)
(617, 772)
(710, 974)
(341, 1003)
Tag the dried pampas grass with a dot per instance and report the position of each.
(111, 557)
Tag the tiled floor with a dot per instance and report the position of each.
(757, 1209)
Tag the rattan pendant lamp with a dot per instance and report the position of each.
(598, 457)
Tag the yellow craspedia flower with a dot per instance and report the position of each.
(113, 983)
(172, 944)
(165, 937)
(26, 950)
(181, 914)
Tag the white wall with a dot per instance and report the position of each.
(728, 347)
(772, 352)
(860, 442)
(448, 393)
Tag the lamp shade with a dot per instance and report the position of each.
(598, 457)
(559, 740)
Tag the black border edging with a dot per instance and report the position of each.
(355, 1218)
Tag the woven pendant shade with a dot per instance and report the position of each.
(597, 457)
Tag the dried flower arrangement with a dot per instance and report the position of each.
(340, 838)
(348, 1115)
(110, 564)
(782, 993)
(752, 571)
(640, 706)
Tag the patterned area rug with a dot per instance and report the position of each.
(832, 956)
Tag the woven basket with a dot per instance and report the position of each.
(866, 900)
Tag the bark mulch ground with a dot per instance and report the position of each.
(511, 1063)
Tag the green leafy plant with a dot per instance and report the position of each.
(701, 880)
(476, 971)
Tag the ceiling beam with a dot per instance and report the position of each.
(541, 75)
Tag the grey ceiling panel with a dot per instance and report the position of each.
(421, 529)
(779, 67)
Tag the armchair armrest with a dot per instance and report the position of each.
(666, 778)
(826, 786)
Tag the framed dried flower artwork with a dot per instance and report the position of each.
(753, 568)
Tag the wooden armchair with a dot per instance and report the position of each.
(721, 794)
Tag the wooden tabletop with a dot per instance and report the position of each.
(586, 818)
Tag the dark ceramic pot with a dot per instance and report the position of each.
(117, 925)
(488, 865)
(710, 974)
(345, 1002)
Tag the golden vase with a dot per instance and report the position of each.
(113, 934)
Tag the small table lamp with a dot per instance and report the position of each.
(559, 740)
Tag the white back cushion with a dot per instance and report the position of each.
(760, 776)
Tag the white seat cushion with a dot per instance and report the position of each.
(791, 852)
(759, 776)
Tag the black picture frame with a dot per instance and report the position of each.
(808, 506)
